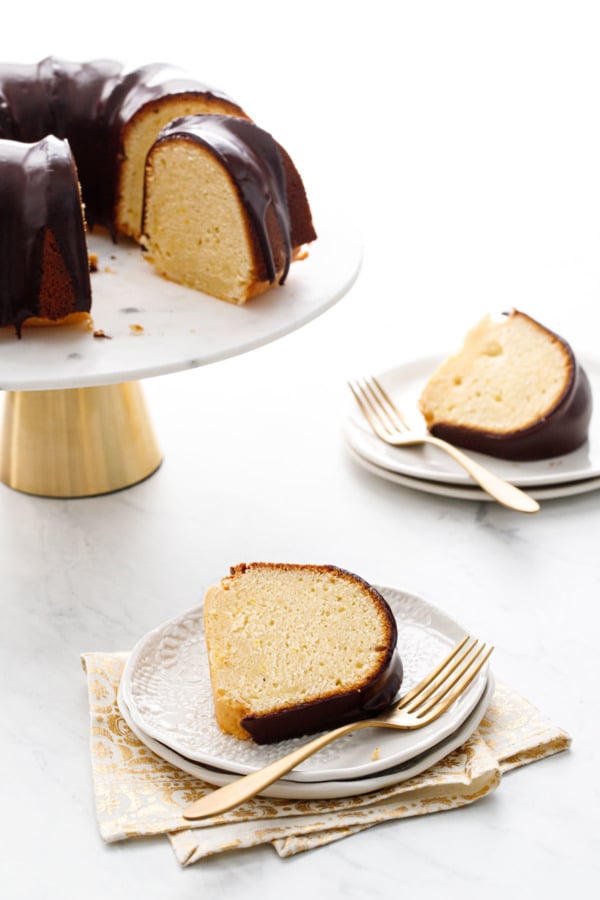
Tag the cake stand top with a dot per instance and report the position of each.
(154, 327)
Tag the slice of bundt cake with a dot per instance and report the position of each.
(514, 390)
(225, 209)
(295, 649)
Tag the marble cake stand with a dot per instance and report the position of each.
(75, 420)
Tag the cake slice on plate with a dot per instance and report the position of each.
(514, 390)
(294, 649)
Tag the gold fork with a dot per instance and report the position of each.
(389, 425)
(420, 706)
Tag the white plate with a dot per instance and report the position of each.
(182, 328)
(166, 686)
(404, 384)
(326, 790)
(460, 492)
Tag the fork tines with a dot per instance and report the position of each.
(448, 680)
(377, 406)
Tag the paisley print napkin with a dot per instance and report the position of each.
(138, 794)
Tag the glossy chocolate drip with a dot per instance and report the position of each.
(80, 93)
(33, 206)
(148, 83)
(88, 104)
(25, 114)
(254, 161)
(66, 100)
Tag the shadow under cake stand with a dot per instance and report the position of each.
(75, 421)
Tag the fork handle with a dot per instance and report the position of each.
(231, 795)
(502, 491)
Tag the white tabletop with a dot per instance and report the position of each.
(463, 140)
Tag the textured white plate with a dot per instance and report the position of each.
(166, 687)
(326, 790)
(182, 328)
(404, 384)
(464, 492)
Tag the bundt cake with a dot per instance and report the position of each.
(44, 274)
(225, 210)
(110, 118)
(514, 390)
(295, 649)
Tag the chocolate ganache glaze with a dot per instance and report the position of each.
(88, 104)
(37, 216)
(90, 108)
(261, 172)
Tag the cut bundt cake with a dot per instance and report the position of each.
(514, 390)
(110, 118)
(225, 209)
(44, 273)
(295, 649)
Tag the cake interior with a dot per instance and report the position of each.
(139, 136)
(507, 375)
(195, 227)
(281, 637)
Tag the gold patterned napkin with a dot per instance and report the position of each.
(139, 794)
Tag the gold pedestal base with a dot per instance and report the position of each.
(77, 442)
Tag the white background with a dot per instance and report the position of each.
(464, 141)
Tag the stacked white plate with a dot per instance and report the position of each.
(166, 699)
(428, 469)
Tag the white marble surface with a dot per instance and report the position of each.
(482, 191)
